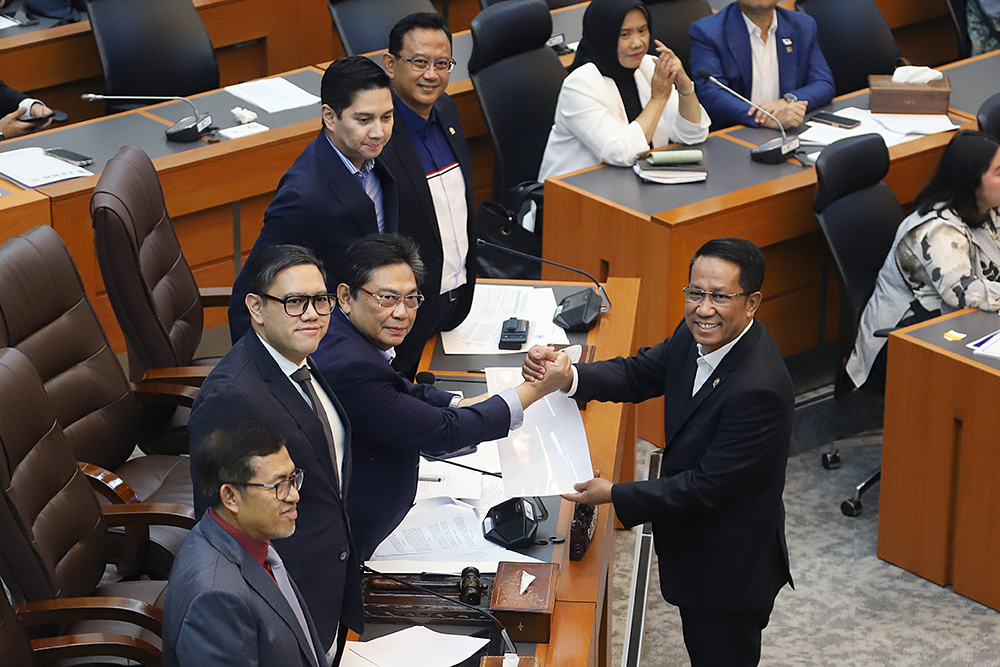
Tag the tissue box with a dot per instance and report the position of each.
(890, 97)
(527, 617)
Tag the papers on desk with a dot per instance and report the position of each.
(32, 168)
(669, 175)
(491, 305)
(7, 23)
(416, 646)
(893, 128)
(245, 130)
(273, 95)
(988, 345)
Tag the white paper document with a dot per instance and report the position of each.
(246, 130)
(824, 135)
(550, 452)
(438, 479)
(491, 305)
(669, 176)
(7, 23)
(990, 347)
(273, 95)
(416, 646)
(915, 123)
(32, 168)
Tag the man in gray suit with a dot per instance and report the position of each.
(230, 601)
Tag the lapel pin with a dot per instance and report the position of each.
(452, 130)
(788, 44)
(716, 383)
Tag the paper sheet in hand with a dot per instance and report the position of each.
(416, 646)
(273, 95)
(549, 453)
(491, 305)
(31, 167)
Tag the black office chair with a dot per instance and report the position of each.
(152, 47)
(858, 215)
(989, 116)
(553, 4)
(855, 40)
(956, 11)
(672, 21)
(363, 25)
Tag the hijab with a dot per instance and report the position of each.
(602, 23)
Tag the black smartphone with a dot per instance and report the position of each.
(828, 118)
(69, 156)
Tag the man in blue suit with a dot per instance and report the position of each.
(765, 53)
(338, 189)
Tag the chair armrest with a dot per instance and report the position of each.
(149, 514)
(215, 297)
(69, 610)
(192, 376)
(94, 644)
(109, 485)
(164, 393)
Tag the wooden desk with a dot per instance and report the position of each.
(940, 491)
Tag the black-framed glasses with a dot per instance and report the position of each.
(296, 304)
(411, 301)
(422, 64)
(283, 488)
(695, 295)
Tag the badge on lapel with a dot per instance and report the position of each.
(788, 44)
(716, 383)
(452, 130)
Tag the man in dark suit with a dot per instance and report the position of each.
(393, 420)
(230, 601)
(718, 518)
(267, 375)
(13, 106)
(337, 190)
(430, 161)
(765, 53)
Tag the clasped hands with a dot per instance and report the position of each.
(789, 114)
(669, 72)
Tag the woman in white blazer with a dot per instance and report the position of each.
(618, 100)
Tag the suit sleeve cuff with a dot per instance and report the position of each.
(26, 104)
(513, 402)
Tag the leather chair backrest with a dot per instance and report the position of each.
(152, 47)
(553, 4)
(517, 80)
(364, 25)
(54, 536)
(672, 21)
(989, 116)
(150, 285)
(855, 40)
(960, 21)
(45, 313)
(15, 647)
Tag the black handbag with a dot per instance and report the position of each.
(499, 225)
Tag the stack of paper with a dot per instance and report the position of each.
(988, 346)
(273, 95)
(894, 128)
(416, 646)
(491, 305)
(32, 168)
(669, 175)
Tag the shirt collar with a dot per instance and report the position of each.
(754, 29)
(366, 166)
(715, 358)
(389, 354)
(415, 123)
(256, 548)
(286, 365)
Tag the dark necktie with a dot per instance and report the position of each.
(304, 378)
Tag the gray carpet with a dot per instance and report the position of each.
(848, 607)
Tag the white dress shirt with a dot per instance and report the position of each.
(766, 86)
(707, 363)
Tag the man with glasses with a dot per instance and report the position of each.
(718, 518)
(268, 375)
(392, 419)
(430, 161)
(230, 601)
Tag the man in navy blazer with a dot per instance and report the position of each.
(721, 45)
(290, 311)
(430, 161)
(225, 604)
(13, 105)
(337, 190)
(718, 518)
(393, 420)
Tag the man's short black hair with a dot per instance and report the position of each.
(426, 20)
(262, 268)
(375, 251)
(225, 456)
(347, 77)
(740, 252)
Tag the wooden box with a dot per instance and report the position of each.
(527, 616)
(890, 97)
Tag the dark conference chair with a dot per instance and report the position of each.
(553, 4)
(858, 215)
(364, 25)
(989, 116)
(855, 40)
(672, 21)
(152, 47)
(956, 11)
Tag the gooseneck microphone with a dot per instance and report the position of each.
(187, 129)
(773, 151)
(578, 312)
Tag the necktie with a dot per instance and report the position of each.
(273, 561)
(304, 378)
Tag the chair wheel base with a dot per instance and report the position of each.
(831, 460)
(851, 507)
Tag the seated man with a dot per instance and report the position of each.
(15, 105)
(230, 601)
(266, 375)
(392, 419)
(765, 53)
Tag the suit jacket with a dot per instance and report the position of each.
(248, 385)
(223, 608)
(9, 99)
(718, 519)
(392, 421)
(720, 44)
(319, 204)
(417, 218)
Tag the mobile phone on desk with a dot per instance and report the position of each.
(69, 156)
(828, 118)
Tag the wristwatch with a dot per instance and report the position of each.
(790, 97)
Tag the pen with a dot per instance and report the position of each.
(429, 478)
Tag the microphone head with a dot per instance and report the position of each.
(704, 74)
(90, 97)
(425, 377)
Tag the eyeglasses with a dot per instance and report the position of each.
(412, 301)
(282, 489)
(296, 304)
(421, 64)
(695, 295)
